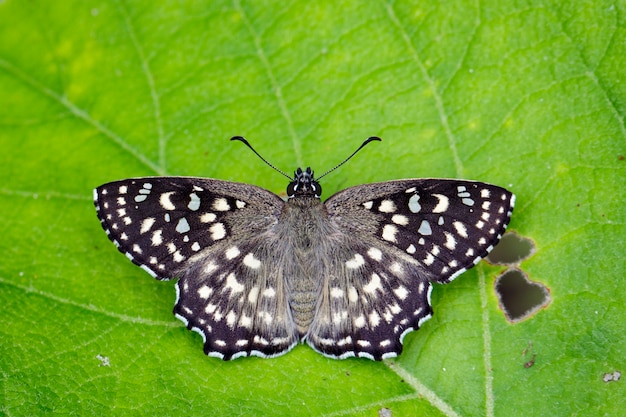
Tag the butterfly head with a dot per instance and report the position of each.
(304, 184)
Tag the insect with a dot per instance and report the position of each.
(257, 275)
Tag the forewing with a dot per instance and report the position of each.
(447, 226)
(160, 222)
(212, 235)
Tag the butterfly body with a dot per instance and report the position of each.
(257, 274)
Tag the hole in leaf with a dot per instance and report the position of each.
(519, 297)
(511, 249)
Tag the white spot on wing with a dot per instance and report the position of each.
(232, 252)
(373, 285)
(425, 229)
(375, 254)
(356, 262)
(401, 292)
(467, 201)
(220, 204)
(217, 231)
(253, 295)
(267, 318)
(353, 296)
(205, 291)
(359, 322)
(147, 224)
(194, 203)
(171, 247)
(450, 241)
(183, 225)
(165, 201)
(231, 319)
(250, 261)
(442, 204)
(208, 217)
(336, 292)
(374, 319)
(178, 257)
(460, 229)
(157, 237)
(210, 267)
(414, 205)
(245, 321)
(233, 284)
(387, 206)
(400, 219)
(389, 233)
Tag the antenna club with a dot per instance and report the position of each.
(240, 139)
(368, 140)
(245, 142)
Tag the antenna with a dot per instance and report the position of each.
(368, 140)
(245, 142)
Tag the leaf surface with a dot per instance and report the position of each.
(528, 96)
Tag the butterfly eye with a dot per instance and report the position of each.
(317, 188)
(291, 189)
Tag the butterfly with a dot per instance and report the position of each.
(257, 274)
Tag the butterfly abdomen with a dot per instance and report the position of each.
(308, 221)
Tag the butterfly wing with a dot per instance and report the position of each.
(410, 233)
(212, 235)
(369, 297)
(447, 226)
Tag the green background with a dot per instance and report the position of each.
(530, 95)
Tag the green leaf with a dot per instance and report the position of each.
(529, 96)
